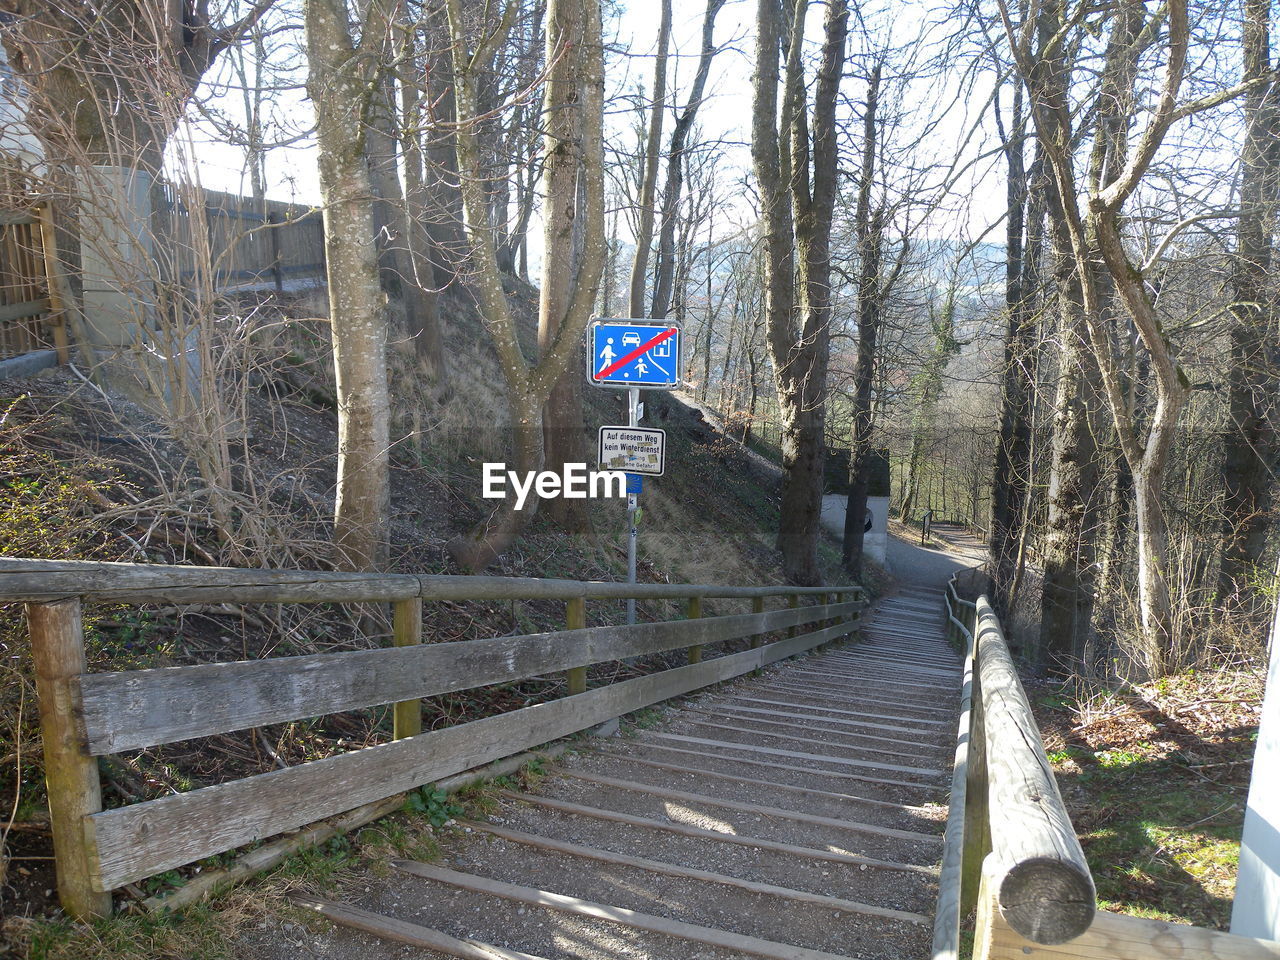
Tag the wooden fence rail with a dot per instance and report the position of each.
(1009, 849)
(1031, 869)
(85, 715)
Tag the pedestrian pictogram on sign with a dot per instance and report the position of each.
(634, 353)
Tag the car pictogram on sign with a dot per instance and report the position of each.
(633, 353)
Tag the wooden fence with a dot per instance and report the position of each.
(232, 241)
(31, 315)
(1010, 851)
(237, 241)
(88, 715)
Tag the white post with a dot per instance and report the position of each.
(1256, 909)
(115, 254)
(633, 420)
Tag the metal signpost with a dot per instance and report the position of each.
(633, 355)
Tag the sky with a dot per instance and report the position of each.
(724, 116)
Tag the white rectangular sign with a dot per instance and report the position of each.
(633, 449)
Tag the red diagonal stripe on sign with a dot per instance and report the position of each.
(643, 348)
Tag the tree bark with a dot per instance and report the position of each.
(797, 207)
(1250, 444)
(649, 178)
(869, 228)
(339, 84)
(1022, 254)
(425, 326)
(664, 272)
(575, 48)
(1066, 600)
(563, 429)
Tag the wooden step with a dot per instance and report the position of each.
(755, 808)
(600, 911)
(677, 870)
(401, 931)
(800, 754)
(735, 838)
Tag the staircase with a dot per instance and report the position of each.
(794, 814)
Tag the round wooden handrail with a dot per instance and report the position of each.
(1037, 870)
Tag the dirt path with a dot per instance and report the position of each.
(908, 562)
(793, 815)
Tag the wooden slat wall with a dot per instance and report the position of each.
(24, 295)
(143, 839)
(141, 708)
(235, 240)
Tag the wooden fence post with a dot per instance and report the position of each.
(71, 774)
(757, 606)
(793, 602)
(575, 618)
(57, 307)
(407, 631)
(977, 822)
(273, 232)
(695, 613)
(988, 915)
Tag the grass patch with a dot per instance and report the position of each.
(1155, 779)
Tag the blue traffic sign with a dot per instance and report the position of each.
(634, 353)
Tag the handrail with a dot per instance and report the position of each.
(86, 715)
(23, 579)
(1035, 877)
(947, 916)
(1037, 872)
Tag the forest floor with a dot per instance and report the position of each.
(1156, 777)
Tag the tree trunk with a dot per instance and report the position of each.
(339, 86)
(797, 208)
(1250, 444)
(575, 49)
(1066, 602)
(649, 177)
(425, 326)
(1012, 464)
(869, 228)
(664, 273)
(564, 433)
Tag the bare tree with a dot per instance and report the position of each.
(1023, 249)
(649, 169)
(1250, 442)
(574, 105)
(344, 76)
(674, 184)
(1092, 214)
(869, 230)
(795, 165)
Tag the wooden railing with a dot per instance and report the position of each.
(1009, 845)
(87, 715)
(1009, 848)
